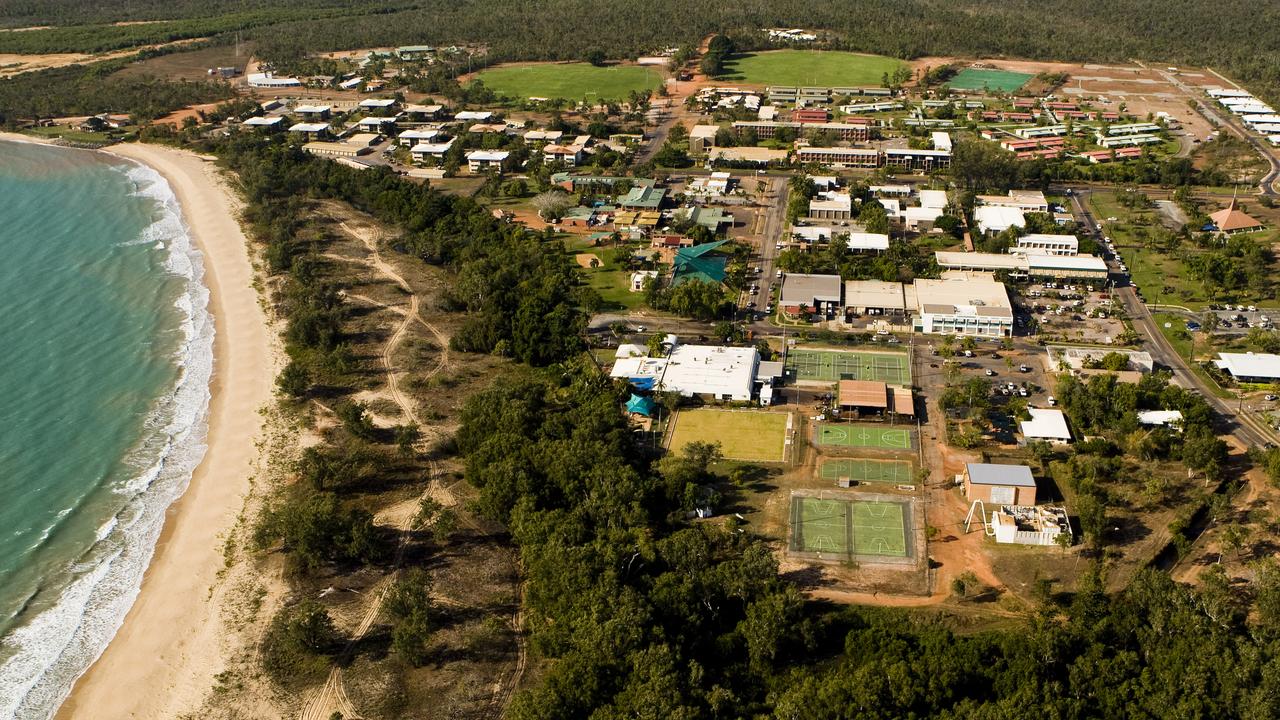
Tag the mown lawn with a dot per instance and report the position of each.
(610, 279)
(755, 436)
(1151, 270)
(810, 67)
(571, 81)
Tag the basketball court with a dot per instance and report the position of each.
(844, 528)
(865, 436)
(864, 470)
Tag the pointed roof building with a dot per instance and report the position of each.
(640, 405)
(697, 263)
(1229, 220)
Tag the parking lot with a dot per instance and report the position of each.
(1022, 367)
(1083, 311)
(1239, 319)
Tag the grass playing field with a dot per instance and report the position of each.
(995, 80)
(865, 436)
(866, 470)
(810, 67)
(571, 81)
(848, 527)
(742, 434)
(833, 365)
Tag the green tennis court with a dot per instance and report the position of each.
(863, 436)
(848, 527)
(833, 365)
(995, 80)
(866, 470)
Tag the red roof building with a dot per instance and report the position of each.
(810, 115)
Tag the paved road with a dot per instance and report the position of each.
(658, 138)
(1245, 428)
(778, 191)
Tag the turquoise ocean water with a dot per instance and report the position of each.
(105, 356)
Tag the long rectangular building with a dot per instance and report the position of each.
(1128, 140)
(1049, 244)
(765, 129)
(839, 157)
(910, 159)
(1082, 267)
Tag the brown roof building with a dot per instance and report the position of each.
(872, 396)
(1229, 220)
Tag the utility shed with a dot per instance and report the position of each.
(1000, 484)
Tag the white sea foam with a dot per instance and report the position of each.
(58, 644)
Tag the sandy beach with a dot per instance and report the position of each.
(162, 660)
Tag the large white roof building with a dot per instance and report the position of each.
(962, 304)
(997, 218)
(1026, 200)
(1250, 367)
(723, 373)
(1076, 358)
(865, 241)
(1045, 424)
(933, 199)
(304, 127)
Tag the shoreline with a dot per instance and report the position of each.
(162, 660)
(28, 139)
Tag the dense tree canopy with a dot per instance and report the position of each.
(648, 617)
(1234, 36)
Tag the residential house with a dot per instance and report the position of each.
(479, 161)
